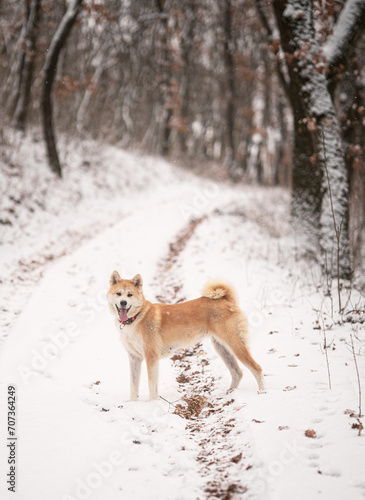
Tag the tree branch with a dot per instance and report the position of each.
(350, 25)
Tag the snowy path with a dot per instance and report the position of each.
(79, 437)
(64, 344)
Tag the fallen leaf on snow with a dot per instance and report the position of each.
(351, 413)
(283, 427)
(358, 426)
(237, 408)
(310, 433)
(236, 459)
(288, 388)
(258, 421)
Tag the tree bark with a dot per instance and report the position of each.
(320, 201)
(49, 71)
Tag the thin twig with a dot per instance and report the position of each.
(357, 373)
(337, 229)
(169, 402)
(325, 351)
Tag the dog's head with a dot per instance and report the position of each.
(125, 297)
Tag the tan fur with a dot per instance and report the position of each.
(159, 329)
(217, 290)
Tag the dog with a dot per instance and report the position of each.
(153, 331)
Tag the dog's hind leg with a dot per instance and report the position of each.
(135, 374)
(230, 362)
(244, 355)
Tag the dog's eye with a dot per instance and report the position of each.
(130, 295)
(118, 293)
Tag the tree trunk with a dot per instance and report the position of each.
(165, 84)
(16, 72)
(230, 74)
(29, 49)
(49, 70)
(186, 47)
(320, 203)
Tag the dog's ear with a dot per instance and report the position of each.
(137, 281)
(114, 278)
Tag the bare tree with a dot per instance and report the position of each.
(49, 70)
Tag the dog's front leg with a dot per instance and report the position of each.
(135, 374)
(152, 370)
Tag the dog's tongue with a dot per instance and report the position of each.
(123, 315)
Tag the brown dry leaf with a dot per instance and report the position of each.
(193, 406)
(236, 459)
(288, 388)
(358, 426)
(182, 379)
(177, 357)
(258, 421)
(310, 433)
(283, 427)
(351, 413)
(237, 408)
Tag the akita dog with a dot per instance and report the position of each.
(153, 331)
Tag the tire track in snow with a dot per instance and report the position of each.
(214, 419)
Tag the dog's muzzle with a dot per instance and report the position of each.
(122, 311)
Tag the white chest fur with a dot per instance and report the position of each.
(131, 339)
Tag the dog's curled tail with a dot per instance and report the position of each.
(218, 290)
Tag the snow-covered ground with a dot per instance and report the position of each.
(78, 437)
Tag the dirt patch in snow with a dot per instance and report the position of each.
(224, 454)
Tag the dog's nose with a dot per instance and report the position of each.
(123, 303)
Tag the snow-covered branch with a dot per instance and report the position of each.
(350, 24)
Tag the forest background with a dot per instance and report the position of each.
(266, 92)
